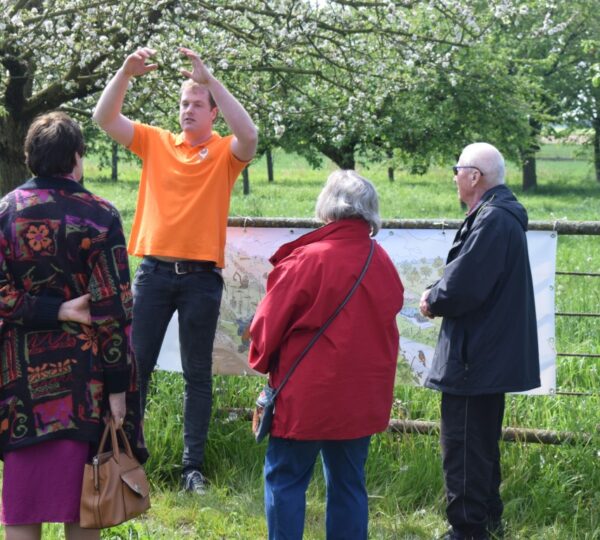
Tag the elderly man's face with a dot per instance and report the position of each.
(465, 175)
(462, 183)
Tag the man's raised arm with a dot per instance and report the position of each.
(244, 131)
(108, 111)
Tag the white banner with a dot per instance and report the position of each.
(419, 256)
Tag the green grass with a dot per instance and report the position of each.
(558, 152)
(566, 190)
(550, 492)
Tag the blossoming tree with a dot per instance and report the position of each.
(411, 79)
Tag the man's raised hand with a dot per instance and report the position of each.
(135, 64)
(200, 73)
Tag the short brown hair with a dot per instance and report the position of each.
(51, 143)
(189, 83)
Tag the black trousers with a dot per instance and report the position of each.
(158, 292)
(471, 427)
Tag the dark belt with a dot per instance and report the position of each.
(183, 267)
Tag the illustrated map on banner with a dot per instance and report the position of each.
(419, 256)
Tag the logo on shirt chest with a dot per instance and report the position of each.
(203, 154)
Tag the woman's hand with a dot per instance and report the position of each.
(76, 310)
(117, 407)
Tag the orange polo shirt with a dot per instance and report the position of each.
(184, 194)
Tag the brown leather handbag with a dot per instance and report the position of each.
(115, 488)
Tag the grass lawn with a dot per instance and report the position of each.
(550, 492)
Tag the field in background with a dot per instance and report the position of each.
(566, 190)
(551, 492)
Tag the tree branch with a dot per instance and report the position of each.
(70, 11)
(76, 111)
(18, 7)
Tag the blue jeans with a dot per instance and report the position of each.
(288, 469)
(158, 292)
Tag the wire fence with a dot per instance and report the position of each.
(560, 227)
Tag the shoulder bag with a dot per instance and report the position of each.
(265, 404)
(115, 488)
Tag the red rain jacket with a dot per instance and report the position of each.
(343, 388)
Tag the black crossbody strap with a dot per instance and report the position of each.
(328, 322)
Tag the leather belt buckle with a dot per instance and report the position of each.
(180, 268)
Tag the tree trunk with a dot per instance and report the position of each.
(346, 159)
(529, 172)
(13, 170)
(270, 175)
(390, 169)
(528, 155)
(246, 179)
(596, 124)
(114, 176)
(343, 156)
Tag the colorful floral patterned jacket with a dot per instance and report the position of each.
(58, 241)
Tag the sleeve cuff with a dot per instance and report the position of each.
(432, 299)
(45, 312)
(116, 382)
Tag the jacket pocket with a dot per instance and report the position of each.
(457, 367)
(464, 353)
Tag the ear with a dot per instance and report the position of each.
(214, 112)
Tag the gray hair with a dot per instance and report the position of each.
(348, 195)
(488, 159)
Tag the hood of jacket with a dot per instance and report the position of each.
(502, 197)
(343, 229)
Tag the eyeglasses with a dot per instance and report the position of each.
(456, 168)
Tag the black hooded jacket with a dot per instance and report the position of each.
(488, 339)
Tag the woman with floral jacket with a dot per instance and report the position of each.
(65, 356)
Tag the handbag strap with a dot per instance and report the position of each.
(104, 438)
(114, 433)
(328, 322)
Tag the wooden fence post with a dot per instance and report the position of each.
(423, 427)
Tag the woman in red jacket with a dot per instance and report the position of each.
(341, 392)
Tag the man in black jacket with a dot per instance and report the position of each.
(488, 340)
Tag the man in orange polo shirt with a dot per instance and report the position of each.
(179, 229)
